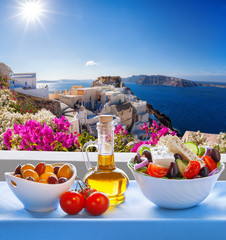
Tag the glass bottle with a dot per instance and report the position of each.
(105, 177)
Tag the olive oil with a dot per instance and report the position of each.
(108, 179)
(105, 177)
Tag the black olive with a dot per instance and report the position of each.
(137, 159)
(147, 154)
(177, 156)
(204, 171)
(215, 155)
(173, 170)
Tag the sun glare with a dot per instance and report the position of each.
(31, 10)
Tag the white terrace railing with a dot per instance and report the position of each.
(10, 159)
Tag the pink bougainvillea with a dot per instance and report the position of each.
(120, 130)
(156, 132)
(35, 136)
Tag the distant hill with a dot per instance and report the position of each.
(132, 79)
(165, 81)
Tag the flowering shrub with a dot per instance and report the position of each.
(156, 132)
(122, 138)
(36, 136)
(4, 82)
(23, 106)
(120, 130)
(8, 119)
(84, 138)
(9, 102)
(13, 112)
(198, 138)
(61, 124)
(145, 127)
(222, 145)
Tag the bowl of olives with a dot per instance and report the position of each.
(39, 187)
(171, 180)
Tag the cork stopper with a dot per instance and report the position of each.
(105, 118)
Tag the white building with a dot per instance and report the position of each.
(141, 118)
(105, 99)
(23, 80)
(26, 83)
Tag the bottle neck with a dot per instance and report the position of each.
(105, 146)
(105, 139)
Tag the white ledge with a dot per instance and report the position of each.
(57, 156)
(63, 156)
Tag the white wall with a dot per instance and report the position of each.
(143, 117)
(38, 92)
(140, 106)
(74, 126)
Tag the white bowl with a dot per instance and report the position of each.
(39, 197)
(175, 193)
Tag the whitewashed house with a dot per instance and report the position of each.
(26, 83)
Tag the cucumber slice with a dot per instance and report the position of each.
(182, 164)
(143, 169)
(202, 151)
(218, 164)
(142, 148)
(193, 147)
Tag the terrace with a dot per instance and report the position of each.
(135, 213)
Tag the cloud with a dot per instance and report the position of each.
(91, 63)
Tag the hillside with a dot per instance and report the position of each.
(166, 81)
(162, 80)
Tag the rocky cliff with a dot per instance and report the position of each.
(162, 118)
(166, 81)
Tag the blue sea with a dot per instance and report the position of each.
(197, 108)
(63, 84)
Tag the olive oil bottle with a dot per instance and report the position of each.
(105, 177)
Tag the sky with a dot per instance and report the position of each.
(84, 39)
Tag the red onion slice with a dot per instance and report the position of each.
(144, 163)
(216, 170)
(208, 151)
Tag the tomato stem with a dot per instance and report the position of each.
(82, 187)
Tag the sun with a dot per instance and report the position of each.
(31, 10)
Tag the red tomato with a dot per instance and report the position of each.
(72, 202)
(156, 170)
(192, 169)
(87, 192)
(97, 203)
(210, 163)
